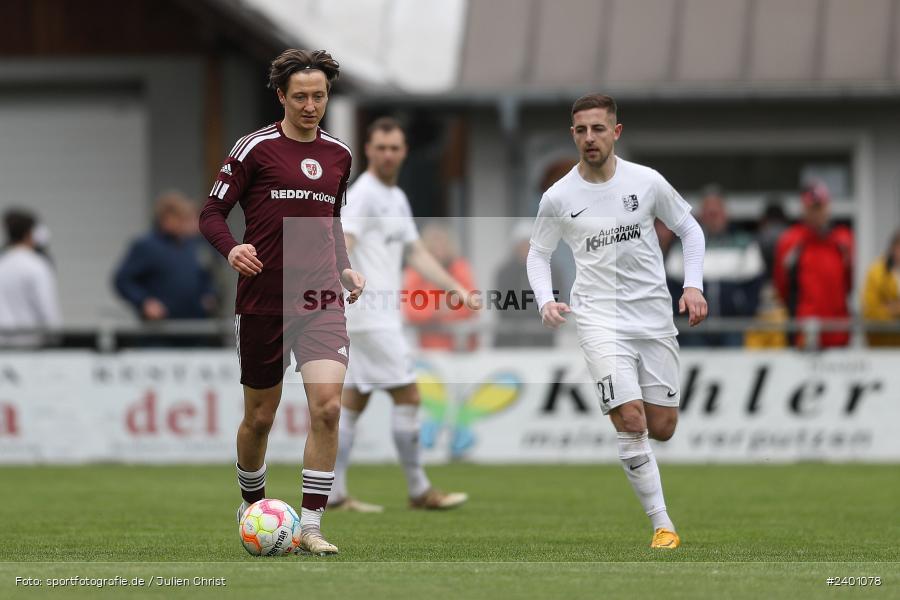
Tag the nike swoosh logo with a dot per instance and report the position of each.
(573, 215)
(640, 465)
(671, 394)
(669, 544)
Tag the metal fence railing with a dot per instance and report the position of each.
(113, 336)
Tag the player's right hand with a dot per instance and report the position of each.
(354, 283)
(242, 259)
(552, 314)
(154, 310)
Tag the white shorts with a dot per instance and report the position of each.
(379, 360)
(626, 370)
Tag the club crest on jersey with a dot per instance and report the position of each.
(311, 168)
(630, 202)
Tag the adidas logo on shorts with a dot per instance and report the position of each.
(342, 350)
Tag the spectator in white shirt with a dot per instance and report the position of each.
(28, 296)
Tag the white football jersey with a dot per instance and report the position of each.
(620, 283)
(380, 219)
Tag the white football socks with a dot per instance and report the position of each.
(405, 427)
(346, 433)
(643, 474)
(310, 520)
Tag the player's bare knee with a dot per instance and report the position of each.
(412, 400)
(407, 395)
(354, 401)
(326, 414)
(260, 421)
(629, 417)
(663, 429)
(331, 415)
(662, 434)
(634, 423)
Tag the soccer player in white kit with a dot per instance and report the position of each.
(380, 230)
(605, 209)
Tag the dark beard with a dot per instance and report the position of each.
(596, 163)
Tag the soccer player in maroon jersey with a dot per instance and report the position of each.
(290, 179)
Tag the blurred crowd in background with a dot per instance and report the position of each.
(102, 110)
(768, 274)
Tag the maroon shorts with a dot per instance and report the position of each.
(264, 343)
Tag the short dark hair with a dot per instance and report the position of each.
(590, 101)
(19, 224)
(711, 189)
(385, 124)
(774, 210)
(292, 61)
(172, 202)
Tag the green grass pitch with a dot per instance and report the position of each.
(528, 532)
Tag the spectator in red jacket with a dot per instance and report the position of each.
(814, 266)
(432, 314)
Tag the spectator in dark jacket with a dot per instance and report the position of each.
(516, 324)
(165, 274)
(732, 271)
(771, 226)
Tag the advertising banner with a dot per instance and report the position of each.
(735, 407)
(486, 406)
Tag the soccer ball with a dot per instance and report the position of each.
(270, 528)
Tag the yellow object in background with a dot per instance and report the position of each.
(771, 310)
(880, 300)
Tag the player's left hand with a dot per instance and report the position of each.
(694, 303)
(354, 283)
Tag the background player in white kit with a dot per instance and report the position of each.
(379, 230)
(605, 209)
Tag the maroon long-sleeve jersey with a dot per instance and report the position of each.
(291, 193)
